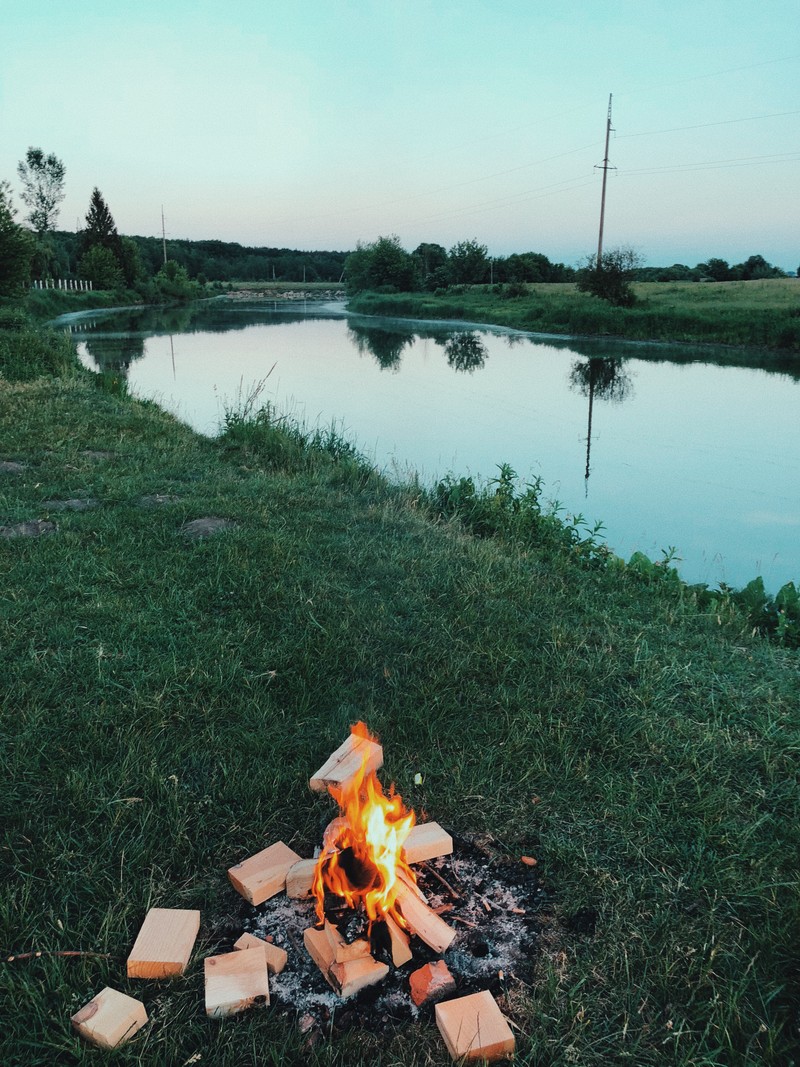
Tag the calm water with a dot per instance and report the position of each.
(690, 456)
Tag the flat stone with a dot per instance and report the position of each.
(37, 528)
(207, 527)
(74, 504)
(10, 466)
(90, 453)
(155, 500)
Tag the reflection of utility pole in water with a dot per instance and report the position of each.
(589, 431)
(163, 234)
(172, 351)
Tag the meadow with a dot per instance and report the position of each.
(164, 700)
(760, 314)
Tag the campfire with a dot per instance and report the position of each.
(373, 922)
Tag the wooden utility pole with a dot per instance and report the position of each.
(163, 234)
(603, 195)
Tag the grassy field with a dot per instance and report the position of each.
(763, 314)
(164, 700)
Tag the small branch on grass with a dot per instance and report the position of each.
(40, 954)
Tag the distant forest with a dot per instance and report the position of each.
(212, 261)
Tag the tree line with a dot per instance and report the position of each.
(100, 254)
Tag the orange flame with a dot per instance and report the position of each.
(361, 857)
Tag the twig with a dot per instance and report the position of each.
(38, 955)
(466, 922)
(445, 883)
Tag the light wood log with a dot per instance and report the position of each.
(263, 875)
(164, 943)
(474, 1028)
(300, 879)
(426, 841)
(401, 950)
(344, 951)
(351, 977)
(319, 949)
(276, 957)
(423, 922)
(235, 981)
(110, 1018)
(346, 761)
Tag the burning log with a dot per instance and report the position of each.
(164, 943)
(263, 875)
(422, 921)
(358, 750)
(398, 940)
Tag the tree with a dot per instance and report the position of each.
(16, 247)
(432, 265)
(100, 228)
(468, 262)
(101, 267)
(42, 180)
(384, 264)
(610, 279)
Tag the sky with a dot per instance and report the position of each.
(319, 124)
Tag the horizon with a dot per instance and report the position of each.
(316, 128)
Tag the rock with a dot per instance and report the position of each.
(74, 504)
(10, 466)
(206, 527)
(431, 982)
(37, 528)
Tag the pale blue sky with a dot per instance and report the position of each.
(315, 125)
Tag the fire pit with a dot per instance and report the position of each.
(392, 918)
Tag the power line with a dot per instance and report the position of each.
(706, 125)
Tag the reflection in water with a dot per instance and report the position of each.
(465, 352)
(602, 378)
(114, 353)
(385, 345)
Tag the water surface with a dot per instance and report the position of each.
(687, 457)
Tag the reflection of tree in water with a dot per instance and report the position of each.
(115, 353)
(386, 346)
(465, 351)
(602, 378)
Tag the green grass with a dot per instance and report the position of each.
(164, 701)
(762, 314)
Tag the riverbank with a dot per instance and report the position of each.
(640, 746)
(759, 314)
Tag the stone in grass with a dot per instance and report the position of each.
(155, 500)
(196, 529)
(36, 528)
(236, 981)
(11, 466)
(73, 504)
(431, 982)
(110, 1018)
(473, 1028)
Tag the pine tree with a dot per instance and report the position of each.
(100, 228)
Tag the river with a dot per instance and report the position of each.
(671, 451)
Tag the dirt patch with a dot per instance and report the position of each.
(37, 528)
